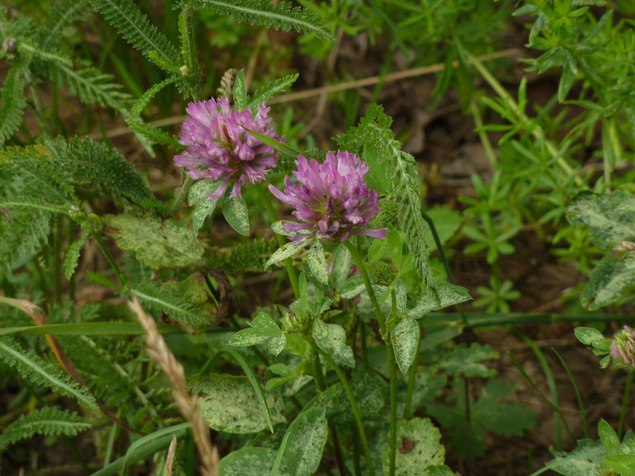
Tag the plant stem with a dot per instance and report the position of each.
(625, 401)
(485, 142)
(411, 386)
(102, 246)
(356, 414)
(357, 257)
(273, 217)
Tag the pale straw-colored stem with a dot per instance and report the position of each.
(186, 403)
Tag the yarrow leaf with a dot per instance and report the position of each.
(37, 371)
(281, 15)
(47, 421)
(137, 30)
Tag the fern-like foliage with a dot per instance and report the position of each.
(41, 373)
(176, 301)
(48, 421)
(133, 25)
(62, 14)
(44, 180)
(13, 103)
(95, 164)
(393, 171)
(91, 86)
(279, 15)
(110, 368)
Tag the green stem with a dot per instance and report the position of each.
(273, 217)
(357, 257)
(180, 197)
(356, 414)
(625, 401)
(411, 387)
(102, 246)
(321, 384)
(482, 135)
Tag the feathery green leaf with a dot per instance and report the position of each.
(48, 421)
(39, 372)
(395, 171)
(137, 30)
(13, 103)
(280, 16)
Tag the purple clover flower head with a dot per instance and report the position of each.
(332, 200)
(220, 148)
(623, 347)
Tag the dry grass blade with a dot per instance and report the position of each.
(186, 403)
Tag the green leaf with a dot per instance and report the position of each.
(589, 336)
(466, 361)
(136, 29)
(261, 328)
(369, 391)
(611, 218)
(249, 461)
(229, 404)
(405, 341)
(72, 256)
(89, 163)
(317, 262)
(446, 221)
(305, 440)
(141, 103)
(281, 16)
(37, 371)
(109, 328)
(203, 205)
(12, 103)
(156, 244)
(585, 460)
(421, 448)
(447, 295)
(331, 338)
(183, 301)
(285, 251)
(143, 447)
(489, 413)
(239, 94)
(610, 281)
(237, 215)
(48, 421)
(623, 464)
(272, 89)
(608, 437)
(342, 265)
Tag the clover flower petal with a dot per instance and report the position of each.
(331, 200)
(219, 146)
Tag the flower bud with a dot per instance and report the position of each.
(623, 347)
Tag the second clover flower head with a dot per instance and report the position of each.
(332, 200)
(220, 147)
(623, 347)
